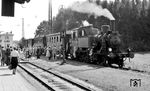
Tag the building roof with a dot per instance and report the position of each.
(7, 33)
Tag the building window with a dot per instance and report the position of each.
(6, 37)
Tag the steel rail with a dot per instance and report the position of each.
(43, 83)
(81, 86)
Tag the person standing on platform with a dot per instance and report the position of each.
(48, 53)
(3, 57)
(14, 60)
(7, 53)
(54, 52)
(38, 52)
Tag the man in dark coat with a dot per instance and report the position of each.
(7, 53)
(3, 56)
(38, 52)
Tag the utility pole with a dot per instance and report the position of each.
(23, 35)
(23, 28)
(50, 15)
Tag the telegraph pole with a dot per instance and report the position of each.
(23, 28)
(50, 15)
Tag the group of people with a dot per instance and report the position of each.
(49, 52)
(34, 51)
(5, 55)
(9, 57)
(52, 53)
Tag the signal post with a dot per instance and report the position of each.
(63, 47)
(63, 35)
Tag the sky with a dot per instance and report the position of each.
(33, 13)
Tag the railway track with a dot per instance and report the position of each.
(134, 70)
(124, 68)
(54, 81)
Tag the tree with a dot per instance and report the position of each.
(132, 21)
(67, 16)
(22, 43)
(43, 29)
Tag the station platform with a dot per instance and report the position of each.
(10, 82)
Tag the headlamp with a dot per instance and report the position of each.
(110, 49)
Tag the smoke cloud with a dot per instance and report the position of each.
(91, 9)
(86, 23)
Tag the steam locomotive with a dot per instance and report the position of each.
(88, 44)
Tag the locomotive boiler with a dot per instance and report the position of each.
(103, 46)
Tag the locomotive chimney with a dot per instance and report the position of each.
(112, 25)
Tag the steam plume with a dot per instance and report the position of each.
(92, 9)
(85, 23)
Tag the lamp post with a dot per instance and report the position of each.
(23, 28)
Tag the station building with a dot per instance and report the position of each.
(6, 39)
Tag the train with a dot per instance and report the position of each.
(88, 44)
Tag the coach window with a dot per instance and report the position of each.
(54, 39)
(57, 38)
(74, 35)
(60, 39)
(51, 39)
